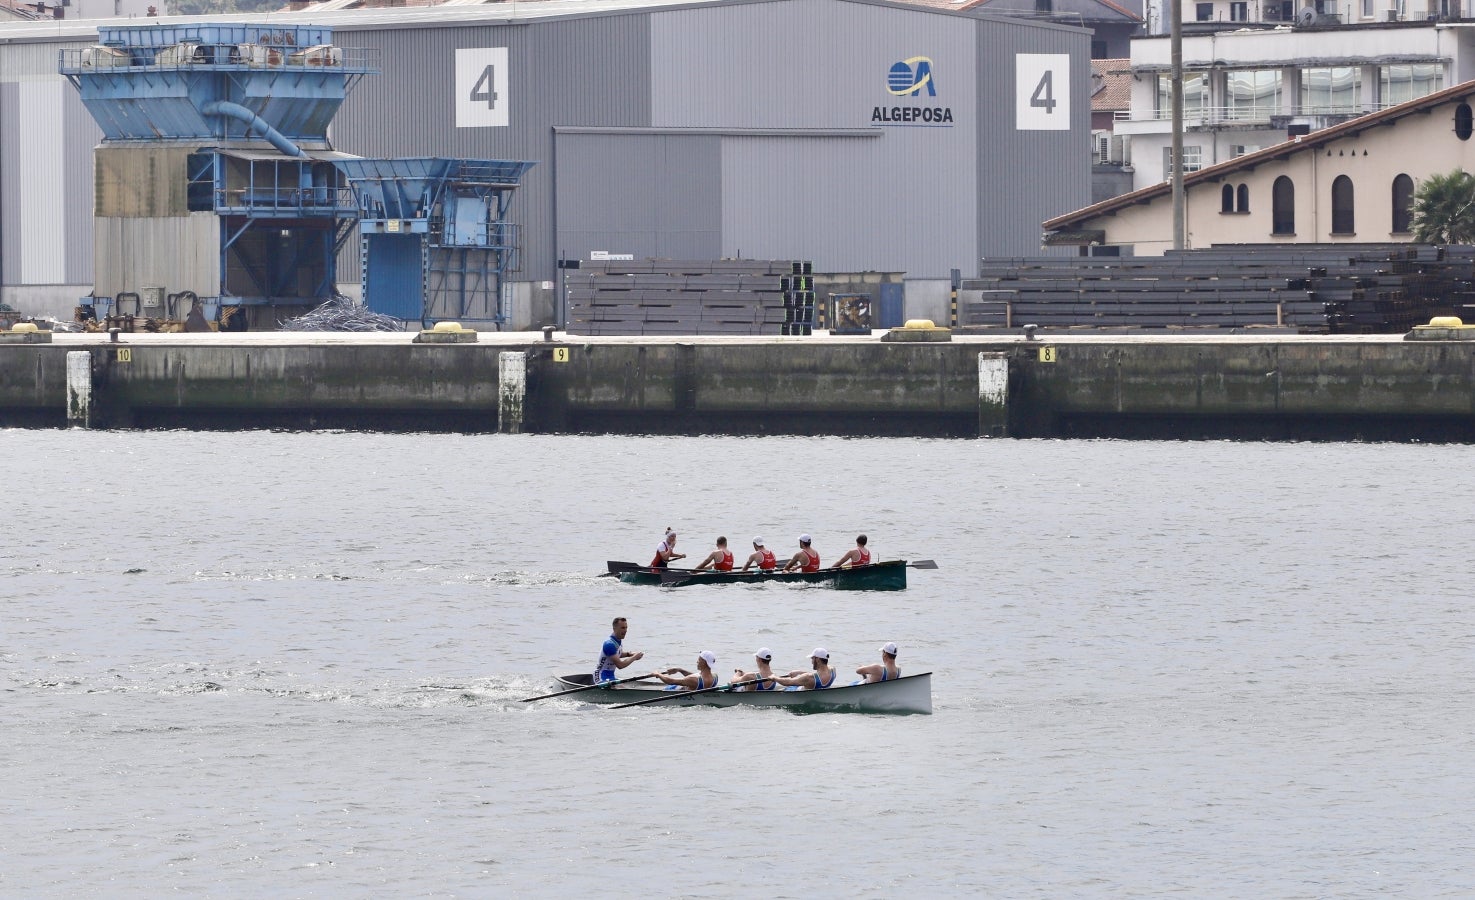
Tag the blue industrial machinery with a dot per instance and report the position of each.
(215, 178)
(436, 243)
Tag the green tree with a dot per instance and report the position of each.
(1444, 209)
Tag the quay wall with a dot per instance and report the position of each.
(1125, 386)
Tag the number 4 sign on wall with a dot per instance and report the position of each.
(481, 87)
(1042, 92)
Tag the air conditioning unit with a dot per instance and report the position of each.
(1100, 148)
(261, 55)
(1391, 15)
(1121, 149)
(320, 55)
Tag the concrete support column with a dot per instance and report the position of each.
(79, 389)
(512, 381)
(993, 395)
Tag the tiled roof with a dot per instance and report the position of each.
(1313, 141)
(1116, 84)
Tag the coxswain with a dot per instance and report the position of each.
(886, 670)
(822, 677)
(666, 551)
(720, 559)
(860, 555)
(762, 557)
(806, 560)
(701, 679)
(612, 655)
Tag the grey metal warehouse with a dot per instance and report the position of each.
(862, 135)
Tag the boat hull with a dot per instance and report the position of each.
(883, 576)
(910, 694)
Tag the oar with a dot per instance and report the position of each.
(587, 687)
(671, 695)
(922, 564)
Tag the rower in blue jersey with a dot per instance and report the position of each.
(612, 655)
(822, 677)
(704, 677)
(761, 680)
(886, 670)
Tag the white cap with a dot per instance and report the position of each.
(803, 538)
(889, 648)
(764, 654)
(757, 542)
(820, 653)
(708, 657)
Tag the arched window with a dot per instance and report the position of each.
(1403, 202)
(1342, 222)
(1226, 198)
(1464, 122)
(1242, 202)
(1283, 206)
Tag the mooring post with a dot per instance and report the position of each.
(79, 389)
(512, 379)
(993, 395)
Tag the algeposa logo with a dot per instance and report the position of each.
(909, 78)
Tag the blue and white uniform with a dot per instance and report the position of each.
(604, 670)
(818, 686)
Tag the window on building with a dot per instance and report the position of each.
(1367, 9)
(1399, 84)
(1098, 50)
(1342, 221)
(1195, 96)
(1193, 160)
(1253, 95)
(1403, 204)
(1226, 198)
(1242, 199)
(1239, 11)
(1331, 90)
(1464, 122)
(1283, 206)
(1204, 12)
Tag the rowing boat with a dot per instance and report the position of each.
(882, 576)
(907, 694)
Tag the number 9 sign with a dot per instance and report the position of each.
(1042, 92)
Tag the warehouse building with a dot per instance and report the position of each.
(865, 136)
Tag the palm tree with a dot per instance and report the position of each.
(1444, 209)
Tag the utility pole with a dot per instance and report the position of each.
(1176, 41)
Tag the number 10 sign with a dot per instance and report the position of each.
(1042, 92)
(481, 87)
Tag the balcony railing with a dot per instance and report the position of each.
(307, 201)
(1243, 115)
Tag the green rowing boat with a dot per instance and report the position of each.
(882, 576)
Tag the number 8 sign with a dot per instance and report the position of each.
(481, 87)
(1042, 92)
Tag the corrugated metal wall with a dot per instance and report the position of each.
(177, 253)
(46, 173)
(648, 194)
(1027, 176)
(574, 72)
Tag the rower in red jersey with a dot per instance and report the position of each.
(857, 557)
(762, 557)
(806, 560)
(720, 559)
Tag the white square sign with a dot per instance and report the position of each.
(1042, 91)
(481, 88)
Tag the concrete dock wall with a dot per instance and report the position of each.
(1278, 386)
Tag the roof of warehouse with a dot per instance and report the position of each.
(447, 16)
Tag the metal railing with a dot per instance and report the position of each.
(175, 57)
(306, 200)
(1257, 115)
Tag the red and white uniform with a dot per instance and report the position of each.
(864, 557)
(724, 562)
(662, 551)
(769, 561)
(811, 559)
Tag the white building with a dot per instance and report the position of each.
(1252, 88)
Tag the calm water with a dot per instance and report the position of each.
(266, 665)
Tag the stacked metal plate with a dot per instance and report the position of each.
(664, 296)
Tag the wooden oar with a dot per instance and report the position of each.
(671, 695)
(588, 687)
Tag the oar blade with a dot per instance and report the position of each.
(923, 564)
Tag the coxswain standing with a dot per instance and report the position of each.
(666, 551)
(612, 655)
(720, 559)
(762, 557)
(806, 560)
(860, 555)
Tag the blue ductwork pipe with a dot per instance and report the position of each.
(253, 122)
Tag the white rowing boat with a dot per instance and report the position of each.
(907, 694)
